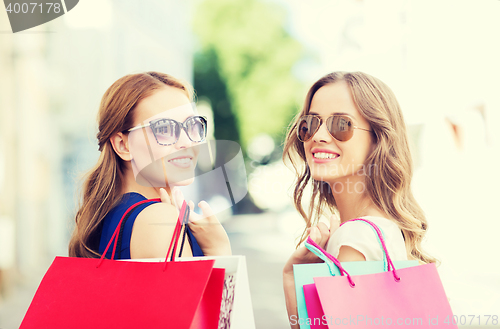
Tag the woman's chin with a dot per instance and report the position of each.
(324, 179)
(185, 182)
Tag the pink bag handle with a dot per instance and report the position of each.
(337, 262)
(173, 242)
(333, 259)
(381, 239)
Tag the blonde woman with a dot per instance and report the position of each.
(350, 143)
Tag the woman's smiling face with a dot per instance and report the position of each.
(330, 159)
(157, 162)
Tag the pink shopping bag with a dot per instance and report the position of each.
(412, 296)
(315, 316)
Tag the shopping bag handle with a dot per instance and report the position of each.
(173, 242)
(320, 252)
(390, 264)
(331, 266)
(183, 218)
(380, 239)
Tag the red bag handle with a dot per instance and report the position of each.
(177, 231)
(175, 238)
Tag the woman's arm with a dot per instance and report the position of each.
(302, 255)
(153, 230)
(349, 254)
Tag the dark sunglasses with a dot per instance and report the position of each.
(168, 131)
(340, 127)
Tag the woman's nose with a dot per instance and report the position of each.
(183, 141)
(322, 135)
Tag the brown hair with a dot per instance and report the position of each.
(102, 186)
(389, 189)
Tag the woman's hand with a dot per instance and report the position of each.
(166, 199)
(207, 229)
(319, 234)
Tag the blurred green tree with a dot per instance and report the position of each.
(244, 67)
(210, 85)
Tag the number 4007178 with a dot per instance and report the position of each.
(32, 8)
(464, 319)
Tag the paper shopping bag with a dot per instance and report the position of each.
(93, 293)
(412, 296)
(236, 307)
(310, 312)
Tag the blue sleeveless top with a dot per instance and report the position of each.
(112, 219)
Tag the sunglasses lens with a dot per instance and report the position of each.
(340, 127)
(166, 131)
(307, 126)
(197, 129)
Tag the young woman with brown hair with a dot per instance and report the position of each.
(350, 143)
(111, 187)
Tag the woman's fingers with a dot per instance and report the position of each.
(165, 198)
(319, 234)
(324, 234)
(334, 224)
(315, 234)
(193, 217)
(207, 216)
(206, 209)
(208, 231)
(178, 198)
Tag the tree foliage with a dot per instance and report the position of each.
(245, 47)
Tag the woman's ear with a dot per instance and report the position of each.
(119, 141)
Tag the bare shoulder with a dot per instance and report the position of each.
(157, 213)
(349, 254)
(152, 231)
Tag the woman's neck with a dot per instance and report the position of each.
(352, 200)
(130, 185)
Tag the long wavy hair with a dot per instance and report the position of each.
(389, 185)
(102, 186)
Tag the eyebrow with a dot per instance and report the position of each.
(189, 117)
(335, 113)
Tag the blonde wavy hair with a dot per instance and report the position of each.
(389, 189)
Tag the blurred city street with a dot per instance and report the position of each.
(266, 242)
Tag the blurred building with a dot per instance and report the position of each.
(51, 81)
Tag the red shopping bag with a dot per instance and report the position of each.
(412, 296)
(101, 293)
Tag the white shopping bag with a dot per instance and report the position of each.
(236, 306)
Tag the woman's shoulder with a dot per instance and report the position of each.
(363, 230)
(153, 228)
(158, 212)
(385, 224)
(362, 237)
